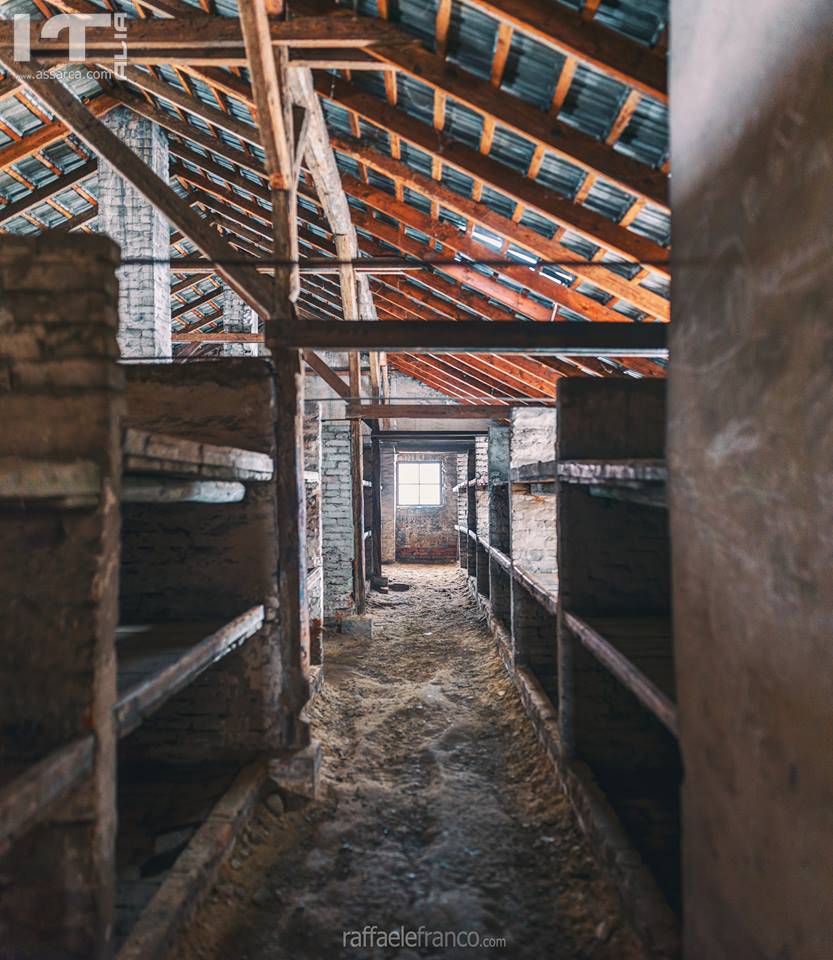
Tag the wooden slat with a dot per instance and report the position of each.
(630, 676)
(28, 797)
(543, 587)
(551, 251)
(612, 471)
(18, 207)
(156, 453)
(156, 662)
(174, 490)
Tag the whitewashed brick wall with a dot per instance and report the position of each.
(130, 220)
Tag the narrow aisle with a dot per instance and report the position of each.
(437, 810)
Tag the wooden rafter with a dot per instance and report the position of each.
(559, 27)
(488, 172)
(448, 80)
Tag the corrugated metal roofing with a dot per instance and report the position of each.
(532, 70)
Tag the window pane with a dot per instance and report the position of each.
(409, 472)
(429, 494)
(429, 473)
(409, 494)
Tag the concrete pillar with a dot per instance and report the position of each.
(239, 317)
(141, 231)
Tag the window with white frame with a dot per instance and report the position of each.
(419, 484)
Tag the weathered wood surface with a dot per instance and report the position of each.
(155, 662)
(543, 471)
(62, 403)
(188, 882)
(147, 452)
(567, 338)
(612, 471)
(653, 636)
(76, 482)
(543, 587)
(27, 798)
(502, 560)
(172, 490)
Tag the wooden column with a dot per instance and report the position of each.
(269, 76)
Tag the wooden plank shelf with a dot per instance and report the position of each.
(58, 483)
(641, 481)
(612, 471)
(174, 490)
(603, 636)
(154, 453)
(544, 471)
(543, 587)
(26, 795)
(158, 660)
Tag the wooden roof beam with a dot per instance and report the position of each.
(476, 336)
(525, 120)
(91, 131)
(523, 190)
(522, 237)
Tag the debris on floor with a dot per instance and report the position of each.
(437, 811)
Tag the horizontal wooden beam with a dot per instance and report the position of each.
(431, 411)
(474, 336)
(201, 36)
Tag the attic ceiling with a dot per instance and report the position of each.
(521, 146)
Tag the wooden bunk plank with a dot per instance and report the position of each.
(543, 587)
(157, 661)
(543, 471)
(501, 559)
(612, 471)
(173, 490)
(146, 452)
(26, 798)
(598, 637)
(190, 878)
(72, 483)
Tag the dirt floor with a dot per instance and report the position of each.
(437, 810)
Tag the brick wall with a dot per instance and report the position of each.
(239, 317)
(336, 517)
(388, 475)
(141, 231)
(426, 534)
(312, 462)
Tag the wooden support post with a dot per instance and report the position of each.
(269, 83)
